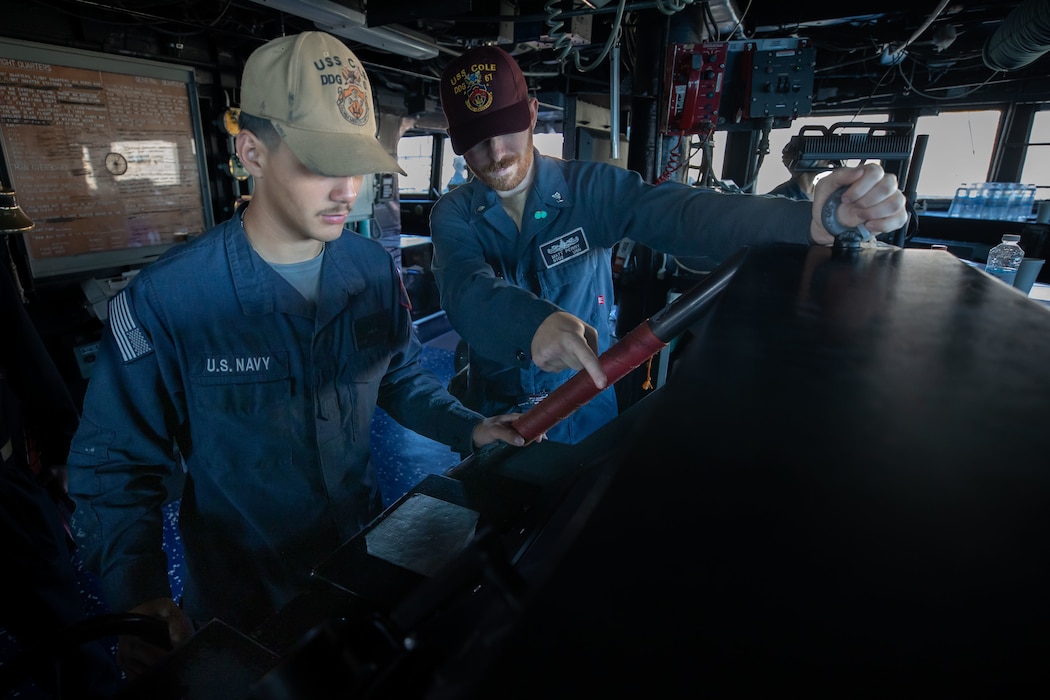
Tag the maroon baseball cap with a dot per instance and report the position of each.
(484, 94)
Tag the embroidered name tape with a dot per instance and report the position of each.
(564, 248)
(262, 365)
(236, 364)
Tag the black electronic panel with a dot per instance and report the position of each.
(781, 77)
(842, 486)
(767, 79)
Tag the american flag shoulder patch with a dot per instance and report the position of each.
(130, 339)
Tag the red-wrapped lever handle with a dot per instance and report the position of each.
(636, 347)
(632, 350)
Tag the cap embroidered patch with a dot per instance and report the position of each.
(479, 96)
(353, 97)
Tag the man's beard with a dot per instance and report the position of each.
(505, 183)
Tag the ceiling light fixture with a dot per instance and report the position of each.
(348, 23)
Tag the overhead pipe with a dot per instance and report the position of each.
(1022, 37)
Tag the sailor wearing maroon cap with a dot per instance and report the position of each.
(522, 252)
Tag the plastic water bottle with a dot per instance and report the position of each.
(975, 208)
(1027, 202)
(1005, 258)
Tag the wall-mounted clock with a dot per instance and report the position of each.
(116, 163)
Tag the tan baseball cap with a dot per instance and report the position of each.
(316, 94)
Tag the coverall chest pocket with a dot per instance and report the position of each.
(368, 354)
(578, 286)
(361, 373)
(571, 284)
(369, 365)
(241, 384)
(576, 272)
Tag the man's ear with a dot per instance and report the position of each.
(251, 152)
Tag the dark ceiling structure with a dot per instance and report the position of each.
(871, 55)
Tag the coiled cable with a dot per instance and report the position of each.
(563, 42)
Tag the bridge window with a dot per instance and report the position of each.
(959, 150)
(415, 155)
(1036, 169)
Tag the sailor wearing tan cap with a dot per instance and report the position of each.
(255, 356)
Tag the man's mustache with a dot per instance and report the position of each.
(501, 164)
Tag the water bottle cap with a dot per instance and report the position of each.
(1011, 237)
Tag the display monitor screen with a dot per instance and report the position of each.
(104, 153)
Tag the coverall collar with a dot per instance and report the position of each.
(255, 281)
(549, 191)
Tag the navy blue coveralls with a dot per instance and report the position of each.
(214, 361)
